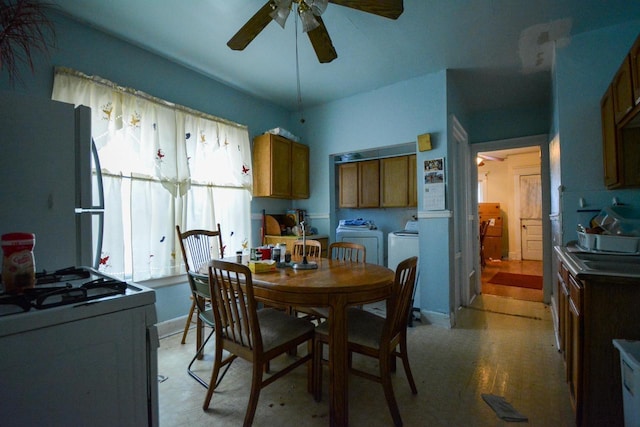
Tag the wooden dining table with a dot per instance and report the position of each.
(337, 285)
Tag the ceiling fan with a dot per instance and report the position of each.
(492, 158)
(309, 12)
(480, 158)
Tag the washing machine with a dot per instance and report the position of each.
(372, 240)
(403, 244)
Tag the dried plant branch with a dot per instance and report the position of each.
(25, 30)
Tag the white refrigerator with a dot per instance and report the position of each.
(45, 170)
(87, 363)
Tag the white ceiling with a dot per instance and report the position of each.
(501, 49)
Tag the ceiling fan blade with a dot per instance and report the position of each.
(321, 42)
(492, 158)
(252, 28)
(388, 8)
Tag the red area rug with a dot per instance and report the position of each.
(518, 280)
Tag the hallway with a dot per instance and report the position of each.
(501, 346)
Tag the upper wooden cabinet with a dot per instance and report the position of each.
(609, 146)
(368, 184)
(299, 171)
(280, 168)
(387, 182)
(622, 91)
(620, 114)
(359, 184)
(634, 58)
(348, 185)
(398, 182)
(413, 181)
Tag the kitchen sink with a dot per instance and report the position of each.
(608, 264)
(627, 267)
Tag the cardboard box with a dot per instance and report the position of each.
(494, 230)
(493, 247)
(491, 209)
(262, 266)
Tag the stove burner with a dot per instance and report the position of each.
(69, 273)
(45, 295)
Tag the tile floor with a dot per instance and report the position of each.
(501, 346)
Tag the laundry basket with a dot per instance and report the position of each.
(630, 368)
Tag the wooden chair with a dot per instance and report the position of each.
(347, 251)
(198, 247)
(313, 248)
(257, 336)
(202, 298)
(381, 338)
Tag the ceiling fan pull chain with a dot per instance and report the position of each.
(299, 91)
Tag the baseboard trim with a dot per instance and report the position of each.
(437, 319)
(171, 326)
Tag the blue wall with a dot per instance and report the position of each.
(391, 115)
(582, 74)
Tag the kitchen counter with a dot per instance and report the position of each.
(594, 265)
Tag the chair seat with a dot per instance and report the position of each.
(278, 328)
(364, 327)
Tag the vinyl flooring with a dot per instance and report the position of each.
(502, 346)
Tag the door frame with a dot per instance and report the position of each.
(541, 141)
(463, 266)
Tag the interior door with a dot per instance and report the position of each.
(531, 217)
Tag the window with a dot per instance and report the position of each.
(162, 165)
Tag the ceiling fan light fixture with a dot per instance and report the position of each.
(309, 22)
(317, 6)
(281, 11)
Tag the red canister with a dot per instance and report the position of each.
(18, 264)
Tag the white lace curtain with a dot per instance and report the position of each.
(162, 165)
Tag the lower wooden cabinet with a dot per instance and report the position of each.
(592, 312)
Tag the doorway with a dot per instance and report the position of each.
(511, 174)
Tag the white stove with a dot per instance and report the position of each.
(81, 347)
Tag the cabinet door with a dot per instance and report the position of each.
(413, 181)
(271, 166)
(280, 167)
(634, 56)
(369, 184)
(348, 185)
(609, 140)
(629, 156)
(299, 171)
(622, 92)
(394, 182)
